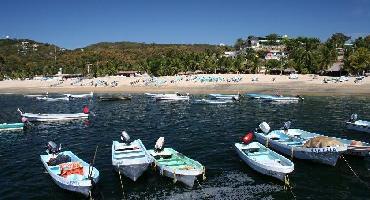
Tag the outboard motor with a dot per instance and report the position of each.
(159, 145)
(53, 148)
(353, 117)
(264, 127)
(125, 137)
(286, 126)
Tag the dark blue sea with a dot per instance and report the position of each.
(205, 133)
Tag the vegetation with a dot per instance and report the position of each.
(27, 58)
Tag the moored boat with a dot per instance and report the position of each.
(280, 141)
(264, 160)
(130, 158)
(11, 126)
(114, 98)
(226, 96)
(354, 148)
(358, 125)
(46, 98)
(275, 98)
(80, 96)
(175, 165)
(69, 171)
(55, 117)
(211, 101)
(172, 97)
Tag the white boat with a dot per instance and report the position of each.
(172, 97)
(152, 94)
(358, 125)
(70, 172)
(130, 159)
(53, 99)
(175, 165)
(275, 98)
(294, 147)
(210, 101)
(53, 117)
(36, 95)
(226, 96)
(80, 96)
(264, 160)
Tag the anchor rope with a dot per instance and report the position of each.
(267, 142)
(120, 179)
(287, 186)
(349, 166)
(174, 176)
(201, 188)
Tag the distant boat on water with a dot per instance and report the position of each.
(54, 117)
(358, 125)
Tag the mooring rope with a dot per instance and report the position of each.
(349, 166)
(174, 176)
(288, 186)
(267, 142)
(201, 188)
(120, 179)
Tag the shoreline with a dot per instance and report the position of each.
(305, 85)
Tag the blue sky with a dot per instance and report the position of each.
(77, 23)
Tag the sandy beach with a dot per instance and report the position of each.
(194, 84)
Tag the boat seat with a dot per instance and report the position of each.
(176, 164)
(258, 153)
(55, 169)
(124, 147)
(129, 157)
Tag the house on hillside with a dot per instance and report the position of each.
(262, 43)
(275, 55)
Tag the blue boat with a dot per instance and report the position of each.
(354, 148)
(57, 165)
(274, 98)
(11, 127)
(294, 147)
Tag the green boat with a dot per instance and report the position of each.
(175, 165)
(11, 127)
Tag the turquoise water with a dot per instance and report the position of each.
(205, 133)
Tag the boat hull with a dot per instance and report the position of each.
(11, 127)
(187, 179)
(328, 155)
(80, 186)
(132, 171)
(130, 162)
(263, 169)
(356, 127)
(54, 117)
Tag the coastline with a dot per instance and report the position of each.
(305, 85)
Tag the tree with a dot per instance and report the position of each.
(239, 43)
(272, 39)
(338, 40)
(359, 61)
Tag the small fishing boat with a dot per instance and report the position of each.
(53, 99)
(226, 96)
(210, 101)
(264, 160)
(172, 97)
(80, 96)
(152, 94)
(130, 158)
(358, 125)
(280, 141)
(11, 127)
(275, 98)
(69, 171)
(175, 165)
(36, 95)
(354, 148)
(55, 117)
(114, 98)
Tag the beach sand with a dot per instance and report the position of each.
(304, 85)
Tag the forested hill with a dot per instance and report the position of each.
(27, 58)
